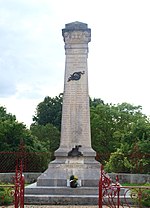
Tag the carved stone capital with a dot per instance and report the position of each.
(77, 37)
(76, 33)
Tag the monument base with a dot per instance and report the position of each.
(61, 195)
(53, 185)
(68, 196)
(60, 170)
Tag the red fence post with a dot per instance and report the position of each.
(16, 202)
(22, 192)
(100, 188)
(118, 191)
(19, 187)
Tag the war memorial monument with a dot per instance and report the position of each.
(75, 155)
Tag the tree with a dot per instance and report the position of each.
(118, 162)
(102, 128)
(49, 137)
(12, 132)
(118, 128)
(96, 101)
(6, 116)
(49, 111)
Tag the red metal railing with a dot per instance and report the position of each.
(15, 191)
(114, 195)
(19, 187)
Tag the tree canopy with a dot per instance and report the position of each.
(12, 132)
(48, 136)
(118, 130)
(49, 111)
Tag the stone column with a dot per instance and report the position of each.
(75, 126)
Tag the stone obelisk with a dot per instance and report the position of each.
(75, 126)
(75, 155)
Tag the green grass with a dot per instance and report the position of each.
(5, 194)
(145, 193)
(135, 184)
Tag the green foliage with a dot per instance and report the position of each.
(6, 116)
(95, 102)
(36, 141)
(135, 184)
(48, 136)
(139, 158)
(116, 130)
(102, 128)
(141, 196)
(118, 162)
(12, 132)
(5, 195)
(49, 111)
(127, 159)
(146, 197)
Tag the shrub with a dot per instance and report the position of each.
(6, 197)
(118, 163)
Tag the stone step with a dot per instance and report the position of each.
(71, 200)
(63, 195)
(61, 199)
(33, 188)
(42, 190)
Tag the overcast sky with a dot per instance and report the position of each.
(32, 56)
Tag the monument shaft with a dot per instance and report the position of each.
(75, 126)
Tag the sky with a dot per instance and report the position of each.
(32, 56)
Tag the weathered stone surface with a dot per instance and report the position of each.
(75, 128)
(62, 199)
(57, 174)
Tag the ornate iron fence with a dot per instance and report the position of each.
(114, 195)
(14, 193)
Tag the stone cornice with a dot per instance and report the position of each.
(76, 33)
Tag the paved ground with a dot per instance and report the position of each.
(58, 206)
(54, 206)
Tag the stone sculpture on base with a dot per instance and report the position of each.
(75, 155)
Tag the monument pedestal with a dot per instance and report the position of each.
(59, 172)
(53, 187)
(75, 155)
(61, 195)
